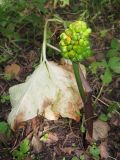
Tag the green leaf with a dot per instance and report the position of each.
(34, 19)
(107, 77)
(115, 44)
(114, 64)
(95, 65)
(95, 152)
(75, 158)
(40, 5)
(103, 117)
(113, 53)
(21, 153)
(18, 155)
(4, 98)
(82, 157)
(5, 129)
(24, 146)
(64, 3)
(44, 138)
(3, 58)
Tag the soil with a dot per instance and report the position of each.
(64, 136)
(67, 140)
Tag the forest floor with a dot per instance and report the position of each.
(62, 139)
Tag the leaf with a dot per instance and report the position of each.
(3, 58)
(107, 77)
(40, 5)
(75, 158)
(100, 130)
(25, 146)
(50, 100)
(103, 117)
(67, 150)
(4, 98)
(64, 3)
(95, 152)
(5, 129)
(13, 70)
(21, 153)
(49, 138)
(44, 138)
(82, 157)
(114, 64)
(115, 44)
(95, 65)
(113, 53)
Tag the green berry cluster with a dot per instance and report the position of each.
(74, 43)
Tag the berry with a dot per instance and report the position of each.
(74, 43)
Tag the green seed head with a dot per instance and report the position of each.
(74, 43)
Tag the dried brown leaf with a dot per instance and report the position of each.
(103, 150)
(100, 129)
(67, 150)
(52, 138)
(13, 70)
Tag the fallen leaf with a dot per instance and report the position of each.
(67, 150)
(51, 91)
(13, 70)
(100, 130)
(36, 144)
(52, 138)
(103, 150)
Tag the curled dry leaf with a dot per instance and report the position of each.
(67, 150)
(51, 91)
(13, 70)
(100, 130)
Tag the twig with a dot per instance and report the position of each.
(53, 47)
(101, 89)
(100, 101)
(112, 157)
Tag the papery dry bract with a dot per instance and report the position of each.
(50, 91)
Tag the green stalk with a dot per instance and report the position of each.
(78, 80)
(88, 109)
(43, 54)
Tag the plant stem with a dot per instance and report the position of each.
(78, 80)
(88, 109)
(43, 54)
(53, 47)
